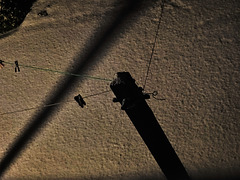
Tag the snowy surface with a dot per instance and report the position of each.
(195, 67)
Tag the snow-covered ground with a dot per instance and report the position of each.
(195, 67)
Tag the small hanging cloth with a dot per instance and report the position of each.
(80, 100)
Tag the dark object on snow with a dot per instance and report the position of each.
(80, 100)
(133, 102)
(17, 69)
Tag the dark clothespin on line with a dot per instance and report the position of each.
(17, 69)
(80, 100)
(1, 64)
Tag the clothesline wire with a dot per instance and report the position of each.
(60, 72)
(154, 44)
(54, 104)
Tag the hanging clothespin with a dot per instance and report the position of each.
(1, 64)
(80, 100)
(17, 69)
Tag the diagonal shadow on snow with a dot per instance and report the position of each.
(100, 41)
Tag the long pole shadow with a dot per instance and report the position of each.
(132, 100)
(82, 62)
